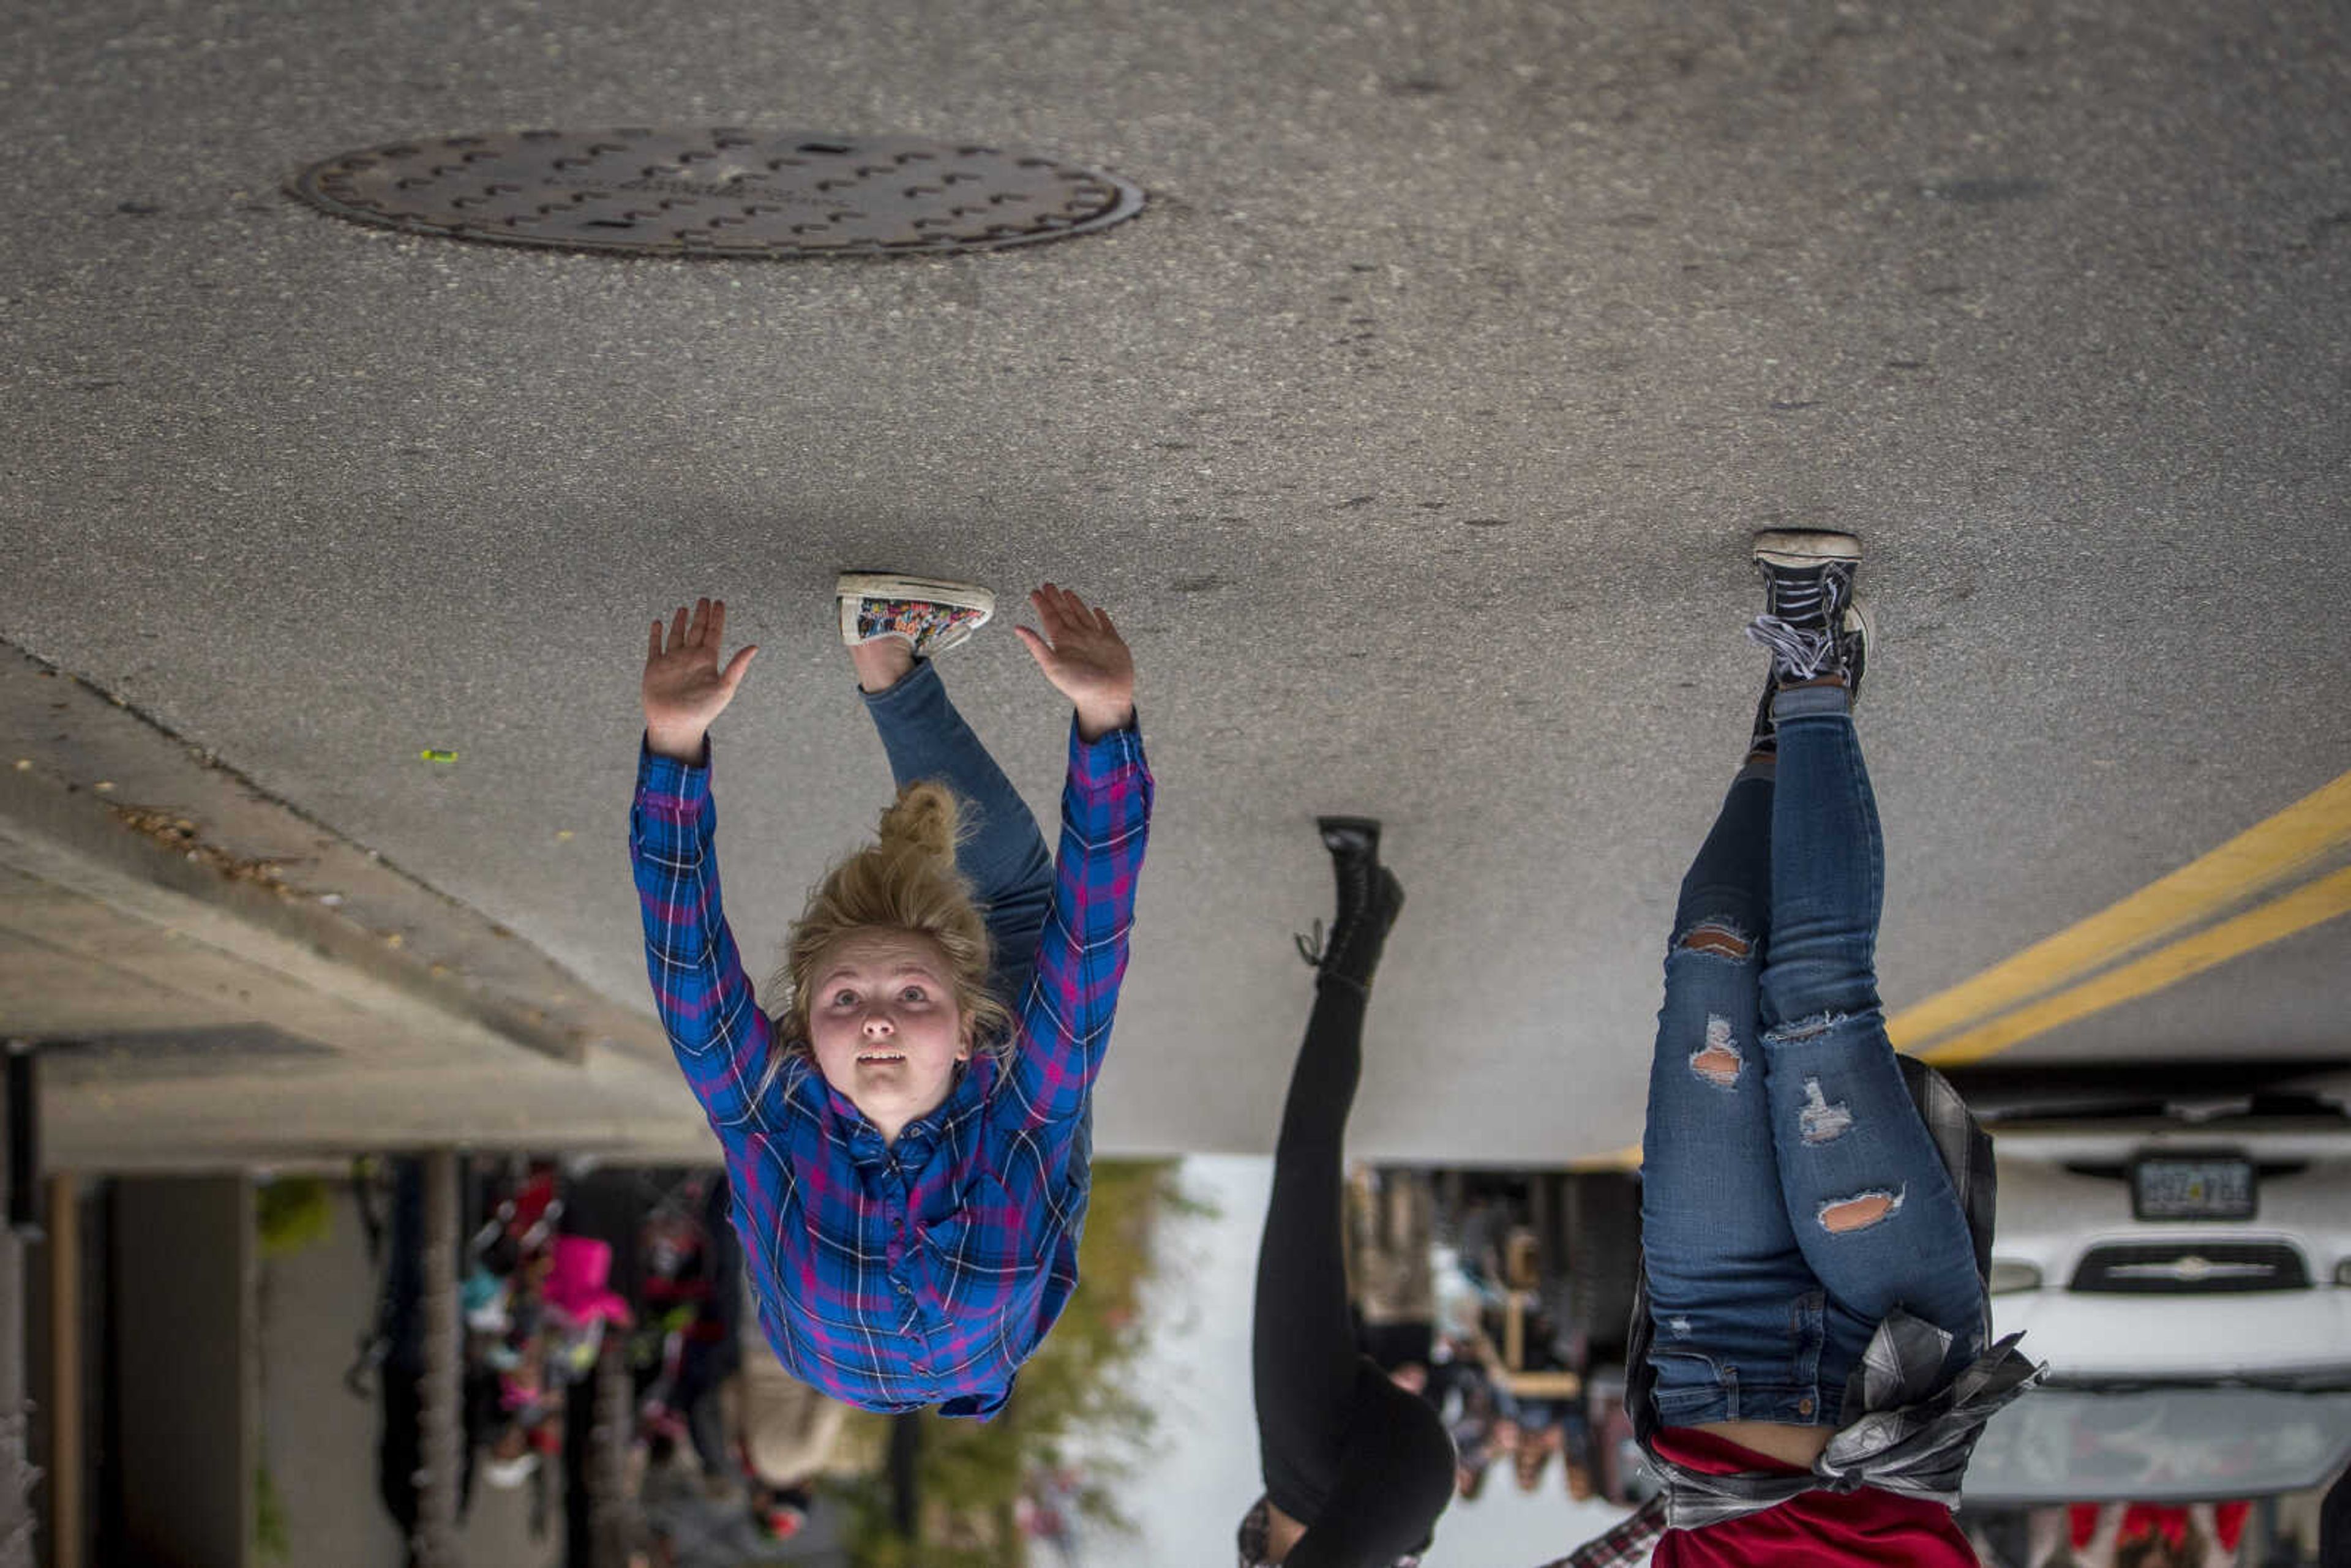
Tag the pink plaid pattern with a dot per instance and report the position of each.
(925, 1272)
(1627, 1543)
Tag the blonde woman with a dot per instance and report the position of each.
(909, 1137)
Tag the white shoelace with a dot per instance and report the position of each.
(1802, 598)
(1798, 653)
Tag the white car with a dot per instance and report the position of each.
(2185, 1245)
(2184, 1267)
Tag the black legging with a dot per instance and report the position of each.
(1364, 1465)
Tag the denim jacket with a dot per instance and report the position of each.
(1903, 1428)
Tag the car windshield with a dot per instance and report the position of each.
(2141, 1443)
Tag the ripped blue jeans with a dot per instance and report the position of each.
(1791, 1195)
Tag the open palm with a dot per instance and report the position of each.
(1082, 654)
(684, 688)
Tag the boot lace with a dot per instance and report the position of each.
(1811, 597)
(1798, 653)
(1312, 948)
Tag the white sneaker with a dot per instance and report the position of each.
(930, 615)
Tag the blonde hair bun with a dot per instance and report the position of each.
(925, 817)
(906, 881)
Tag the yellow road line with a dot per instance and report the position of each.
(2312, 904)
(2305, 907)
(2256, 859)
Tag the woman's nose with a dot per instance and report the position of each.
(878, 1024)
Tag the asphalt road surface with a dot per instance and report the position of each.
(1414, 432)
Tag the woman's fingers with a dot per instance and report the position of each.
(702, 625)
(1038, 648)
(1049, 614)
(1064, 614)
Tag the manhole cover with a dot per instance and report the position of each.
(721, 192)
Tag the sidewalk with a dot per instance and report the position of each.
(216, 979)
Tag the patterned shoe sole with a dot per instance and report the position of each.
(931, 627)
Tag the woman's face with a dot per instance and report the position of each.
(884, 1026)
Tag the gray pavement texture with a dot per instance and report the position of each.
(1414, 432)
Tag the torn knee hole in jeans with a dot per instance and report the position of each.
(1713, 936)
(1804, 1028)
(1817, 1120)
(1860, 1211)
(1718, 1060)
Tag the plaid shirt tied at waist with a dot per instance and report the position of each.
(1909, 1437)
(1906, 1428)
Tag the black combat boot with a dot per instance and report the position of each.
(1369, 897)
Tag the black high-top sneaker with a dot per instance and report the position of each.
(1853, 655)
(1807, 590)
(1369, 897)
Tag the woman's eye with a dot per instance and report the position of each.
(844, 998)
(917, 993)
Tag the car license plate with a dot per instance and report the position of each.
(2193, 1187)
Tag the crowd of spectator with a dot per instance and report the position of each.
(720, 1449)
(1433, 1279)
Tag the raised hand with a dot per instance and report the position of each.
(1084, 657)
(684, 688)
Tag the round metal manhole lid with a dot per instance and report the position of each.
(718, 193)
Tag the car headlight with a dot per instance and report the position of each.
(2008, 1275)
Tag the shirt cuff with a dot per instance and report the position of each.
(1101, 761)
(978, 1407)
(667, 779)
